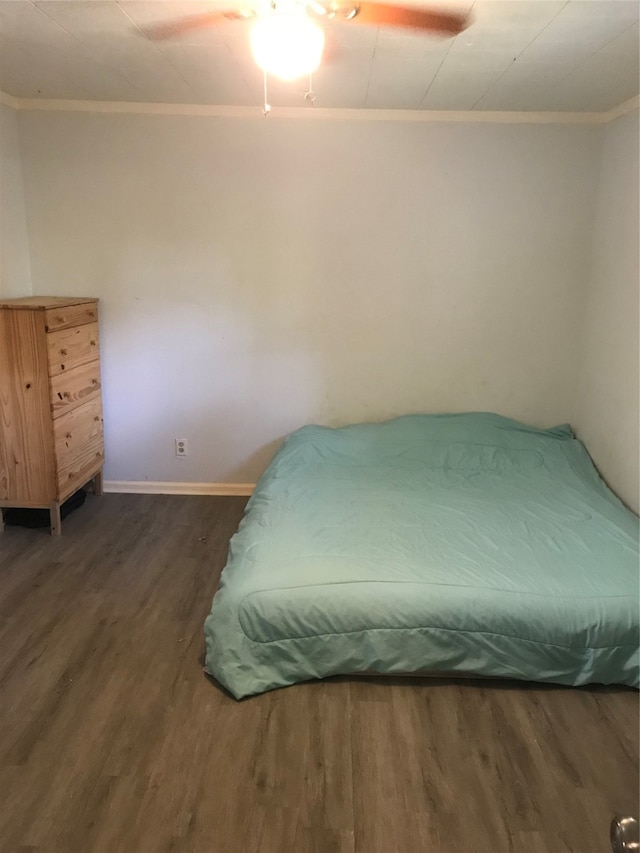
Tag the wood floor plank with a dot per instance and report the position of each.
(327, 792)
(321, 840)
(112, 740)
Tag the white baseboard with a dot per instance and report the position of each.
(145, 487)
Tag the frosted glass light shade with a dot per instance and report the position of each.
(287, 45)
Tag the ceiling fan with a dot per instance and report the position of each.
(286, 40)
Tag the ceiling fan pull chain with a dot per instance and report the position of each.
(266, 109)
(310, 95)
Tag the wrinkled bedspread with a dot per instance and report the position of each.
(463, 543)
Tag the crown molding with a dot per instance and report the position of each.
(322, 113)
(9, 101)
(623, 109)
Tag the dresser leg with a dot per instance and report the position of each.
(97, 483)
(54, 516)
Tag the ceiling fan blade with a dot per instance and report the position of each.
(390, 15)
(193, 22)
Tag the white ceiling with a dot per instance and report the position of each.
(534, 55)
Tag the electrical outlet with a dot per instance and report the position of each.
(182, 448)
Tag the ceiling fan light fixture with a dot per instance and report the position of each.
(287, 45)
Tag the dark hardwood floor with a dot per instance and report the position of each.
(113, 739)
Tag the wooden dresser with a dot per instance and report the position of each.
(51, 436)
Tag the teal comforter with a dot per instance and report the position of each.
(463, 543)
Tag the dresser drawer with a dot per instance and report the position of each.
(78, 442)
(73, 347)
(73, 388)
(79, 469)
(70, 315)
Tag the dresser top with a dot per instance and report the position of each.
(41, 303)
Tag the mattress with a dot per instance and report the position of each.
(466, 543)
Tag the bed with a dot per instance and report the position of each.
(469, 544)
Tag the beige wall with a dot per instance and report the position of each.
(15, 277)
(258, 275)
(606, 416)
